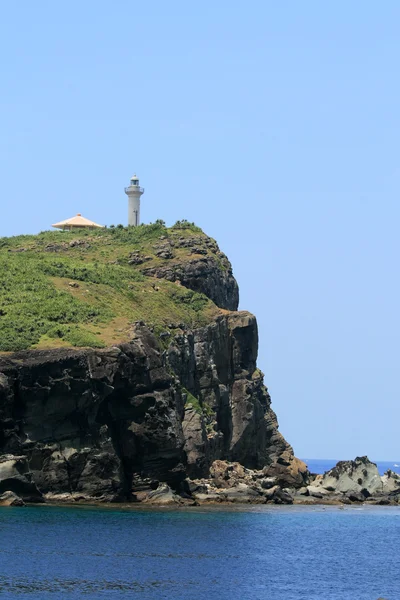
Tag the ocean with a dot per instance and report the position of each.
(322, 465)
(215, 553)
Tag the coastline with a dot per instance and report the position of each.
(355, 482)
(216, 507)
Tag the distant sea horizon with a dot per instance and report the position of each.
(321, 465)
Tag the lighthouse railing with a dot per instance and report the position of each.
(135, 188)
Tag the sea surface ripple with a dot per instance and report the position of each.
(284, 553)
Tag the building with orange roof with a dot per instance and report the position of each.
(77, 222)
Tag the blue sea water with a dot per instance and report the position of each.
(258, 553)
(322, 465)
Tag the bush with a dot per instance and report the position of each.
(186, 225)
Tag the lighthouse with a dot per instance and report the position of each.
(134, 192)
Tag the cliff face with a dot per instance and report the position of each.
(113, 423)
(232, 419)
(206, 270)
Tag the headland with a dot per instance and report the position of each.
(127, 374)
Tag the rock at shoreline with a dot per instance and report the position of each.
(356, 481)
(16, 477)
(390, 482)
(233, 483)
(162, 495)
(10, 499)
(176, 412)
(114, 424)
(352, 476)
(288, 470)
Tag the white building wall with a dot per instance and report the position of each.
(134, 209)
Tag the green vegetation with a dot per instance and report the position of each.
(82, 289)
(202, 409)
(190, 399)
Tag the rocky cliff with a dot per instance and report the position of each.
(157, 412)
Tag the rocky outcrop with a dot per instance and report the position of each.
(230, 415)
(233, 483)
(355, 480)
(116, 424)
(11, 499)
(155, 418)
(16, 478)
(88, 422)
(206, 270)
(351, 476)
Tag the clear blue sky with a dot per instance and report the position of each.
(275, 126)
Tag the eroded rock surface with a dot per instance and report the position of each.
(16, 477)
(142, 421)
(207, 271)
(11, 499)
(351, 476)
(233, 483)
(355, 480)
(116, 424)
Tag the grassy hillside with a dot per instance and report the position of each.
(83, 288)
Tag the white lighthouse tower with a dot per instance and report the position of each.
(134, 192)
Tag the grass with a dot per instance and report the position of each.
(204, 410)
(79, 289)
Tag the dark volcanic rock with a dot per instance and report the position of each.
(16, 477)
(211, 275)
(86, 421)
(234, 420)
(196, 442)
(135, 421)
(112, 424)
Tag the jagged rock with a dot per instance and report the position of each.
(225, 474)
(243, 494)
(198, 250)
(136, 258)
(10, 499)
(217, 364)
(390, 482)
(278, 496)
(288, 470)
(267, 483)
(165, 253)
(351, 476)
(356, 497)
(79, 243)
(356, 481)
(55, 247)
(196, 442)
(231, 482)
(383, 501)
(316, 492)
(16, 477)
(201, 275)
(162, 495)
